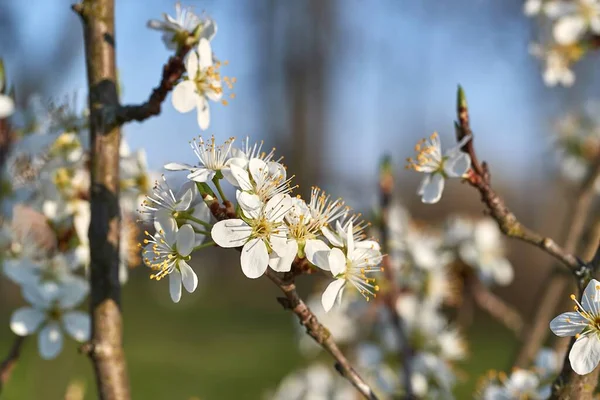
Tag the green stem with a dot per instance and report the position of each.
(196, 220)
(217, 183)
(205, 233)
(203, 245)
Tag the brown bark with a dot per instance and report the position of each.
(10, 362)
(105, 348)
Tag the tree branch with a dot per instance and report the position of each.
(319, 333)
(496, 307)
(391, 292)
(172, 72)
(105, 348)
(10, 362)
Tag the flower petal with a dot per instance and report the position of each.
(350, 238)
(72, 293)
(203, 110)
(175, 286)
(333, 237)
(331, 294)
(7, 106)
(568, 324)
(26, 321)
(277, 207)
(205, 53)
(231, 233)
(248, 201)
(201, 175)
(457, 164)
(591, 297)
(179, 167)
(184, 96)
(281, 261)
(569, 29)
(316, 252)
(259, 170)
(432, 188)
(585, 354)
(191, 65)
(186, 239)
(188, 277)
(78, 325)
(50, 341)
(254, 258)
(242, 177)
(337, 261)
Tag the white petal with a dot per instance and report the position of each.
(26, 321)
(569, 29)
(585, 354)
(431, 191)
(185, 199)
(259, 170)
(242, 177)
(277, 207)
(166, 225)
(20, 271)
(503, 272)
(72, 293)
(568, 324)
(188, 277)
(457, 164)
(7, 106)
(50, 341)
(591, 297)
(337, 261)
(254, 258)
(248, 201)
(175, 286)
(191, 65)
(333, 238)
(316, 252)
(350, 238)
(184, 96)
(203, 110)
(201, 175)
(179, 167)
(186, 239)
(281, 261)
(78, 325)
(532, 7)
(231, 233)
(331, 294)
(205, 53)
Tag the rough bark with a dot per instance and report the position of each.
(105, 348)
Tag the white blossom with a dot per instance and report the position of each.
(50, 312)
(213, 159)
(521, 384)
(262, 181)
(584, 324)
(262, 234)
(177, 29)
(574, 19)
(438, 166)
(203, 83)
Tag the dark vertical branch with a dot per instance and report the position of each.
(9, 363)
(105, 348)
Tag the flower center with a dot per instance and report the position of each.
(428, 158)
(263, 228)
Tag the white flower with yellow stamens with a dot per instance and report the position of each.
(584, 324)
(261, 182)
(574, 19)
(213, 159)
(263, 235)
(437, 166)
(203, 83)
(167, 252)
(339, 236)
(558, 60)
(353, 266)
(177, 29)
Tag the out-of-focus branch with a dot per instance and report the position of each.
(319, 333)
(292, 301)
(391, 292)
(105, 348)
(496, 307)
(10, 362)
(172, 72)
(479, 178)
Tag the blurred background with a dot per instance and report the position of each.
(334, 86)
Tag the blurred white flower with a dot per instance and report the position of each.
(584, 324)
(50, 312)
(557, 60)
(532, 7)
(203, 83)
(7, 105)
(263, 235)
(316, 382)
(574, 19)
(177, 29)
(437, 166)
(521, 384)
(167, 252)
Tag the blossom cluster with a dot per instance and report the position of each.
(424, 264)
(44, 241)
(572, 27)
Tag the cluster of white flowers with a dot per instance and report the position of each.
(45, 230)
(203, 81)
(577, 142)
(270, 227)
(534, 383)
(571, 24)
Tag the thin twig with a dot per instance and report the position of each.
(391, 292)
(319, 333)
(496, 307)
(10, 362)
(172, 72)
